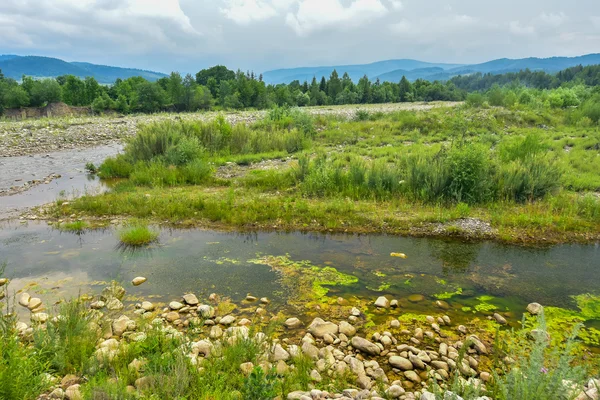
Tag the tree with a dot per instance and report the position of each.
(175, 90)
(15, 97)
(364, 90)
(150, 97)
(45, 91)
(405, 92)
(73, 91)
(218, 72)
(334, 87)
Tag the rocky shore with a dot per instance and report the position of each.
(47, 135)
(397, 360)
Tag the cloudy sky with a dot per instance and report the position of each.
(187, 35)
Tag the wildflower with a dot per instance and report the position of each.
(544, 370)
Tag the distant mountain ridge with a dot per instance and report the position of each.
(47, 67)
(394, 70)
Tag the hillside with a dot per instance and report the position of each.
(393, 70)
(356, 72)
(16, 66)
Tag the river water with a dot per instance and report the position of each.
(56, 264)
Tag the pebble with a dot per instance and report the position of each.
(138, 281)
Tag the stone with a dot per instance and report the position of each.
(427, 396)
(278, 353)
(34, 303)
(57, 393)
(246, 368)
(401, 363)
(73, 393)
(190, 299)
(3, 281)
(347, 329)
(138, 281)
(412, 376)
(245, 322)
(462, 329)
(215, 332)
(175, 305)
(227, 320)
(416, 361)
(500, 319)
(394, 391)
(318, 328)
(97, 305)
(478, 345)
(589, 394)
(365, 346)
(485, 376)
(394, 324)
(143, 383)
(114, 304)
(147, 306)
(297, 395)
(315, 376)
(281, 368)
(416, 298)
(292, 323)
(172, 316)
(310, 350)
(24, 299)
(251, 299)
(442, 304)
(39, 317)
(206, 311)
(120, 325)
(382, 302)
(535, 308)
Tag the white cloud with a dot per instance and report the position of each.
(401, 27)
(517, 29)
(247, 11)
(596, 21)
(396, 5)
(553, 19)
(313, 15)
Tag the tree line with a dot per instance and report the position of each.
(221, 88)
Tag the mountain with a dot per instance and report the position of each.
(394, 70)
(552, 64)
(46, 67)
(355, 71)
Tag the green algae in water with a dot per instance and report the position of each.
(448, 295)
(304, 281)
(563, 321)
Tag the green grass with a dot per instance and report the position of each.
(137, 235)
(75, 226)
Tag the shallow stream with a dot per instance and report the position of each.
(473, 278)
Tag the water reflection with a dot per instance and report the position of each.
(455, 257)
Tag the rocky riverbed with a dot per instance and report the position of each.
(401, 359)
(54, 134)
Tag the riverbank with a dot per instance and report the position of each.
(118, 345)
(53, 134)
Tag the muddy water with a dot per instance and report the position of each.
(55, 264)
(16, 171)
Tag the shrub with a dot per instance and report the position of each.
(115, 167)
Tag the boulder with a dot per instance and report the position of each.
(401, 363)
(347, 329)
(382, 302)
(535, 308)
(293, 323)
(365, 346)
(318, 328)
(227, 320)
(190, 299)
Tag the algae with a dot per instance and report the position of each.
(305, 282)
(448, 295)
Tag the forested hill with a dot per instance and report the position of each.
(46, 67)
(394, 70)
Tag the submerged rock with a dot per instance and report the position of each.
(138, 281)
(535, 308)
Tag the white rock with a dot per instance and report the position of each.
(138, 281)
(382, 302)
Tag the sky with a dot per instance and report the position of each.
(260, 35)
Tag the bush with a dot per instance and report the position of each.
(115, 167)
(137, 235)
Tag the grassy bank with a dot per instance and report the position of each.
(97, 347)
(520, 174)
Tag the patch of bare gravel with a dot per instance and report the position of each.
(54, 134)
(465, 227)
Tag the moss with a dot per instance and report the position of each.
(589, 305)
(561, 322)
(408, 318)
